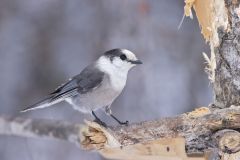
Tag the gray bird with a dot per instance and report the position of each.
(97, 86)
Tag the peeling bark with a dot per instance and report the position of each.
(220, 24)
(227, 74)
(204, 132)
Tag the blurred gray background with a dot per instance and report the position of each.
(44, 42)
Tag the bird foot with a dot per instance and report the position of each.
(126, 123)
(119, 122)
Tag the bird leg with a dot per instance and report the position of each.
(109, 112)
(98, 120)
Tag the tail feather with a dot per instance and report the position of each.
(47, 102)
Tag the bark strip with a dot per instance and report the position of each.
(199, 129)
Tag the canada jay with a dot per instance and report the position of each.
(97, 86)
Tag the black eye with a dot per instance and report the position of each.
(123, 57)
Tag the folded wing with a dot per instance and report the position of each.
(88, 80)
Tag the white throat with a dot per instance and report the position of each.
(118, 76)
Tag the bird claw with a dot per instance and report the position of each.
(126, 123)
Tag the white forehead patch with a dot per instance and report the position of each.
(129, 54)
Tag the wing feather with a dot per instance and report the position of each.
(90, 78)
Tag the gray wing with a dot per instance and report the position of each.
(89, 79)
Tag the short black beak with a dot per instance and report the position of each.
(136, 62)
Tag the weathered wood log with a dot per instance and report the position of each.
(220, 24)
(220, 21)
(200, 129)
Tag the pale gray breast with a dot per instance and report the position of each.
(101, 96)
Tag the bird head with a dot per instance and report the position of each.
(122, 59)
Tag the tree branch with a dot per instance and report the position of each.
(199, 129)
(40, 128)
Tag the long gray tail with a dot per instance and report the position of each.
(47, 102)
